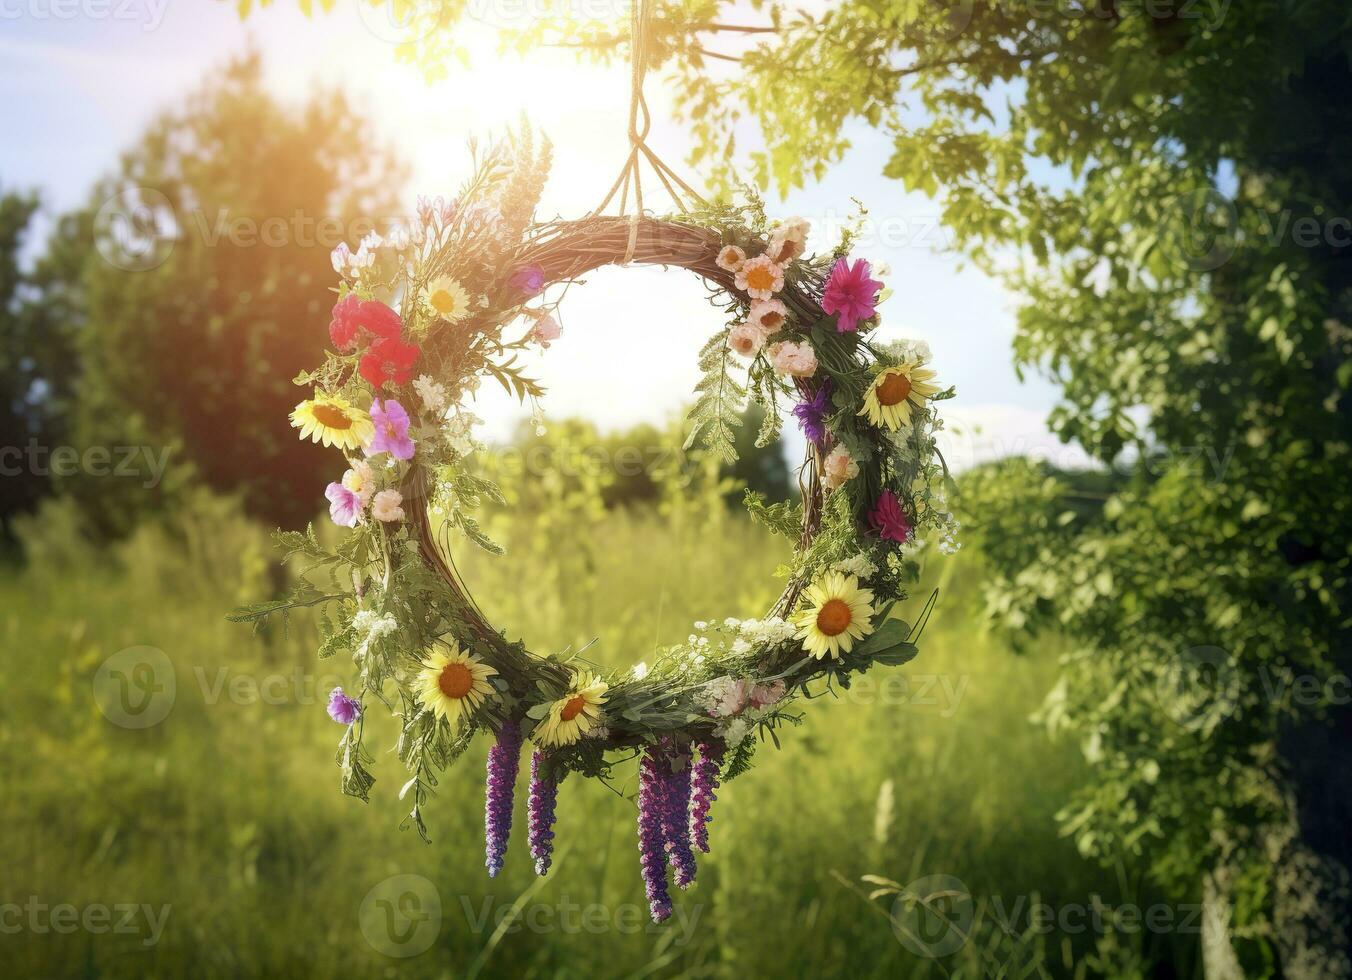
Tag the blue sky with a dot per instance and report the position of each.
(79, 88)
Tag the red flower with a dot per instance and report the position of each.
(389, 359)
(355, 321)
(851, 293)
(889, 520)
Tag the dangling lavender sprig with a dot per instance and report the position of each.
(652, 853)
(676, 825)
(544, 795)
(504, 759)
(703, 782)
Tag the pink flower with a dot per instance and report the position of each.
(797, 360)
(769, 315)
(760, 278)
(889, 520)
(728, 696)
(766, 694)
(385, 507)
(391, 430)
(529, 279)
(546, 330)
(851, 294)
(746, 339)
(344, 505)
(730, 259)
(838, 467)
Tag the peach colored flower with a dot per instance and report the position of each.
(760, 278)
(838, 467)
(360, 480)
(386, 506)
(769, 315)
(731, 258)
(730, 696)
(788, 241)
(746, 339)
(796, 359)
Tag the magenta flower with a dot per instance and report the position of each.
(344, 505)
(392, 437)
(342, 708)
(529, 279)
(889, 520)
(851, 294)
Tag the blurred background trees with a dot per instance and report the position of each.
(177, 306)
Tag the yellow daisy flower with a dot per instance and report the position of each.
(453, 683)
(893, 393)
(334, 422)
(446, 298)
(574, 714)
(837, 613)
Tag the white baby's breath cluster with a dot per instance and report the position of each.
(432, 393)
(458, 430)
(898, 351)
(948, 538)
(858, 565)
(372, 627)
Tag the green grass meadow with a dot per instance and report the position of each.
(225, 817)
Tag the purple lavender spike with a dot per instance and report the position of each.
(651, 850)
(703, 782)
(676, 825)
(504, 759)
(544, 795)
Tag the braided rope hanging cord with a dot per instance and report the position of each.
(566, 250)
(640, 124)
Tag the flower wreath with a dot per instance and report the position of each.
(391, 397)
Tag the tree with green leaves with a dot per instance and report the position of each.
(21, 419)
(1166, 186)
(39, 320)
(204, 288)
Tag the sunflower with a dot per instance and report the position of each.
(453, 684)
(574, 714)
(333, 421)
(837, 613)
(446, 298)
(895, 390)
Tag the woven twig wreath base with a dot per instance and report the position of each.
(566, 251)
